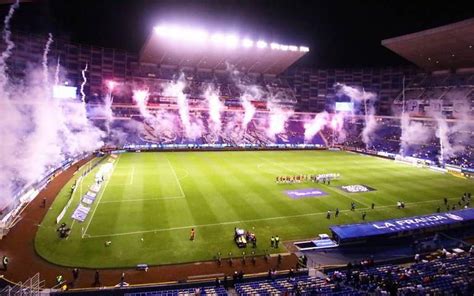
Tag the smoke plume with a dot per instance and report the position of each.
(45, 58)
(413, 133)
(38, 131)
(277, 118)
(313, 127)
(367, 99)
(175, 89)
(215, 108)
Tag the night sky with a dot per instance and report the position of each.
(339, 33)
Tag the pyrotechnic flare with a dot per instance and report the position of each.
(248, 93)
(215, 108)
(249, 110)
(453, 139)
(140, 96)
(314, 126)
(45, 58)
(277, 120)
(34, 121)
(84, 81)
(6, 34)
(337, 126)
(56, 73)
(109, 117)
(175, 89)
(367, 98)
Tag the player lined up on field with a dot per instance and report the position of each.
(323, 178)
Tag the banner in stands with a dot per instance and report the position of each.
(468, 173)
(395, 226)
(386, 154)
(415, 161)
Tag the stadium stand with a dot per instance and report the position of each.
(304, 91)
(440, 273)
(302, 285)
(220, 291)
(438, 276)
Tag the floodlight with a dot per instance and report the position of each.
(247, 43)
(304, 49)
(274, 45)
(160, 30)
(293, 48)
(284, 47)
(195, 35)
(217, 38)
(261, 44)
(231, 41)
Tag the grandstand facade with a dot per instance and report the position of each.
(437, 83)
(313, 89)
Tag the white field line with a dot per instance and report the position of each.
(185, 176)
(176, 177)
(145, 199)
(100, 197)
(389, 207)
(133, 174)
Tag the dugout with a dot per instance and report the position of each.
(399, 230)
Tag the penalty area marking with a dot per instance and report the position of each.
(186, 174)
(176, 177)
(389, 207)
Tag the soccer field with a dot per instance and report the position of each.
(151, 200)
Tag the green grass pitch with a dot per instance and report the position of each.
(152, 200)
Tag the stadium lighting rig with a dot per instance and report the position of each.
(231, 41)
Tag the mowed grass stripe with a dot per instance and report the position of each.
(233, 189)
(358, 211)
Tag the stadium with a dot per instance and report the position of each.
(217, 161)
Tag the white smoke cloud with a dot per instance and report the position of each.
(367, 99)
(215, 108)
(56, 72)
(278, 117)
(38, 132)
(313, 127)
(453, 138)
(370, 126)
(249, 93)
(413, 133)
(249, 110)
(175, 89)
(141, 96)
(337, 125)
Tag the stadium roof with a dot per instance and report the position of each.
(190, 47)
(445, 47)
